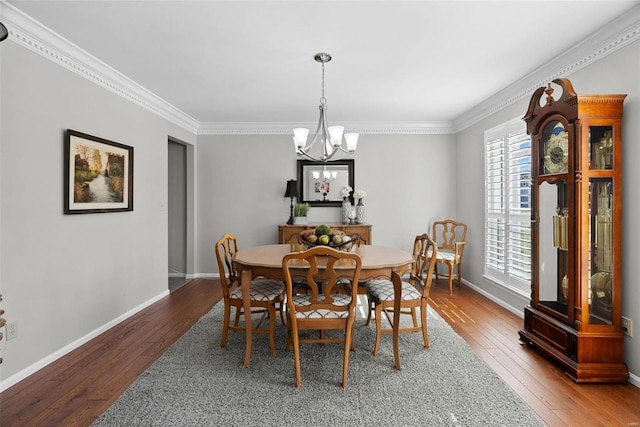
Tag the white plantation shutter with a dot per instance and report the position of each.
(508, 206)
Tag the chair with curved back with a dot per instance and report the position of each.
(415, 293)
(321, 308)
(266, 294)
(450, 238)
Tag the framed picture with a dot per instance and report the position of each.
(98, 175)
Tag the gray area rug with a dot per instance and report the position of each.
(197, 383)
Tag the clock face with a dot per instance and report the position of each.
(555, 149)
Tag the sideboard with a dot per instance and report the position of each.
(287, 233)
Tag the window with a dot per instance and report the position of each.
(508, 206)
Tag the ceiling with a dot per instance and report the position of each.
(252, 62)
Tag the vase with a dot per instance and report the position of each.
(359, 212)
(346, 210)
(300, 220)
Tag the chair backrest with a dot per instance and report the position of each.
(322, 268)
(423, 264)
(226, 248)
(448, 232)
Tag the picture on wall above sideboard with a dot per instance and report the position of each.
(320, 182)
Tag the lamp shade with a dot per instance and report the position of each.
(292, 188)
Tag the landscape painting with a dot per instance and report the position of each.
(98, 175)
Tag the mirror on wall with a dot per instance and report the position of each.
(321, 182)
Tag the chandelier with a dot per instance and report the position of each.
(328, 137)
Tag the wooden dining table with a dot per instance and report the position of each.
(377, 262)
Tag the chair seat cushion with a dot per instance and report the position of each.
(443, 255)
(261, 290)
(303, 300)
(382, 290)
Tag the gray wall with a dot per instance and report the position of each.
(617, 73)
(242, 180)
(66, 276)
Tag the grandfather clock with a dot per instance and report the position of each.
(576, 227)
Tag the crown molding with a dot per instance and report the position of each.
(619, 33)
(377, 128)
(29, 33)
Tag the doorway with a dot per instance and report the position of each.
(177, 214)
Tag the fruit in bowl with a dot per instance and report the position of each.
(307, 233)
(323, 230)
(323, 235)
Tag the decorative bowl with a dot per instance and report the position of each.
(344, 246)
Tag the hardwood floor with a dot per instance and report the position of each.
(77, 388)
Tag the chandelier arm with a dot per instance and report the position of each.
(344, 150)
(319, 132)
(308, 156)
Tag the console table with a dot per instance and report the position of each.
(287, 233)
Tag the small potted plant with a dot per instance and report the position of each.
(300, 212)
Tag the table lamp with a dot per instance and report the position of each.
(292, 191)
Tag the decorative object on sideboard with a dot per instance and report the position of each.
(359, 194)
(346, 204)
(329, 137)
(291, 191)
(300, 212)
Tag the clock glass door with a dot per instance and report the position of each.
(554, 291)
(600, 147)
(600, 251)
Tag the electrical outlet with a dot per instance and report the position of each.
(627, 326)
(12, 330)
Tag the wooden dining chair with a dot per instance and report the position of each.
(450, 238)
(266, 295)
(415, 293)
(322, 268)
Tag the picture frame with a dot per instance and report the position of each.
(325, 192)
(98, 174)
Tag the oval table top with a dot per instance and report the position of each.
(373, 256)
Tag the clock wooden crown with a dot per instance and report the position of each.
(569, 104)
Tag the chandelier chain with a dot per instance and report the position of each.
(323, 100)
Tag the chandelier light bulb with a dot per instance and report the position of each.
(335, 133)
(300, 137)
(352, 141)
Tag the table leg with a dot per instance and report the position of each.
(397, 294)
(245, 285)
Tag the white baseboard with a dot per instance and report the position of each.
(207, 276)
(19, 376)
(518, 311)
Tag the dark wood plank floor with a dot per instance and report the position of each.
(77, 388)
